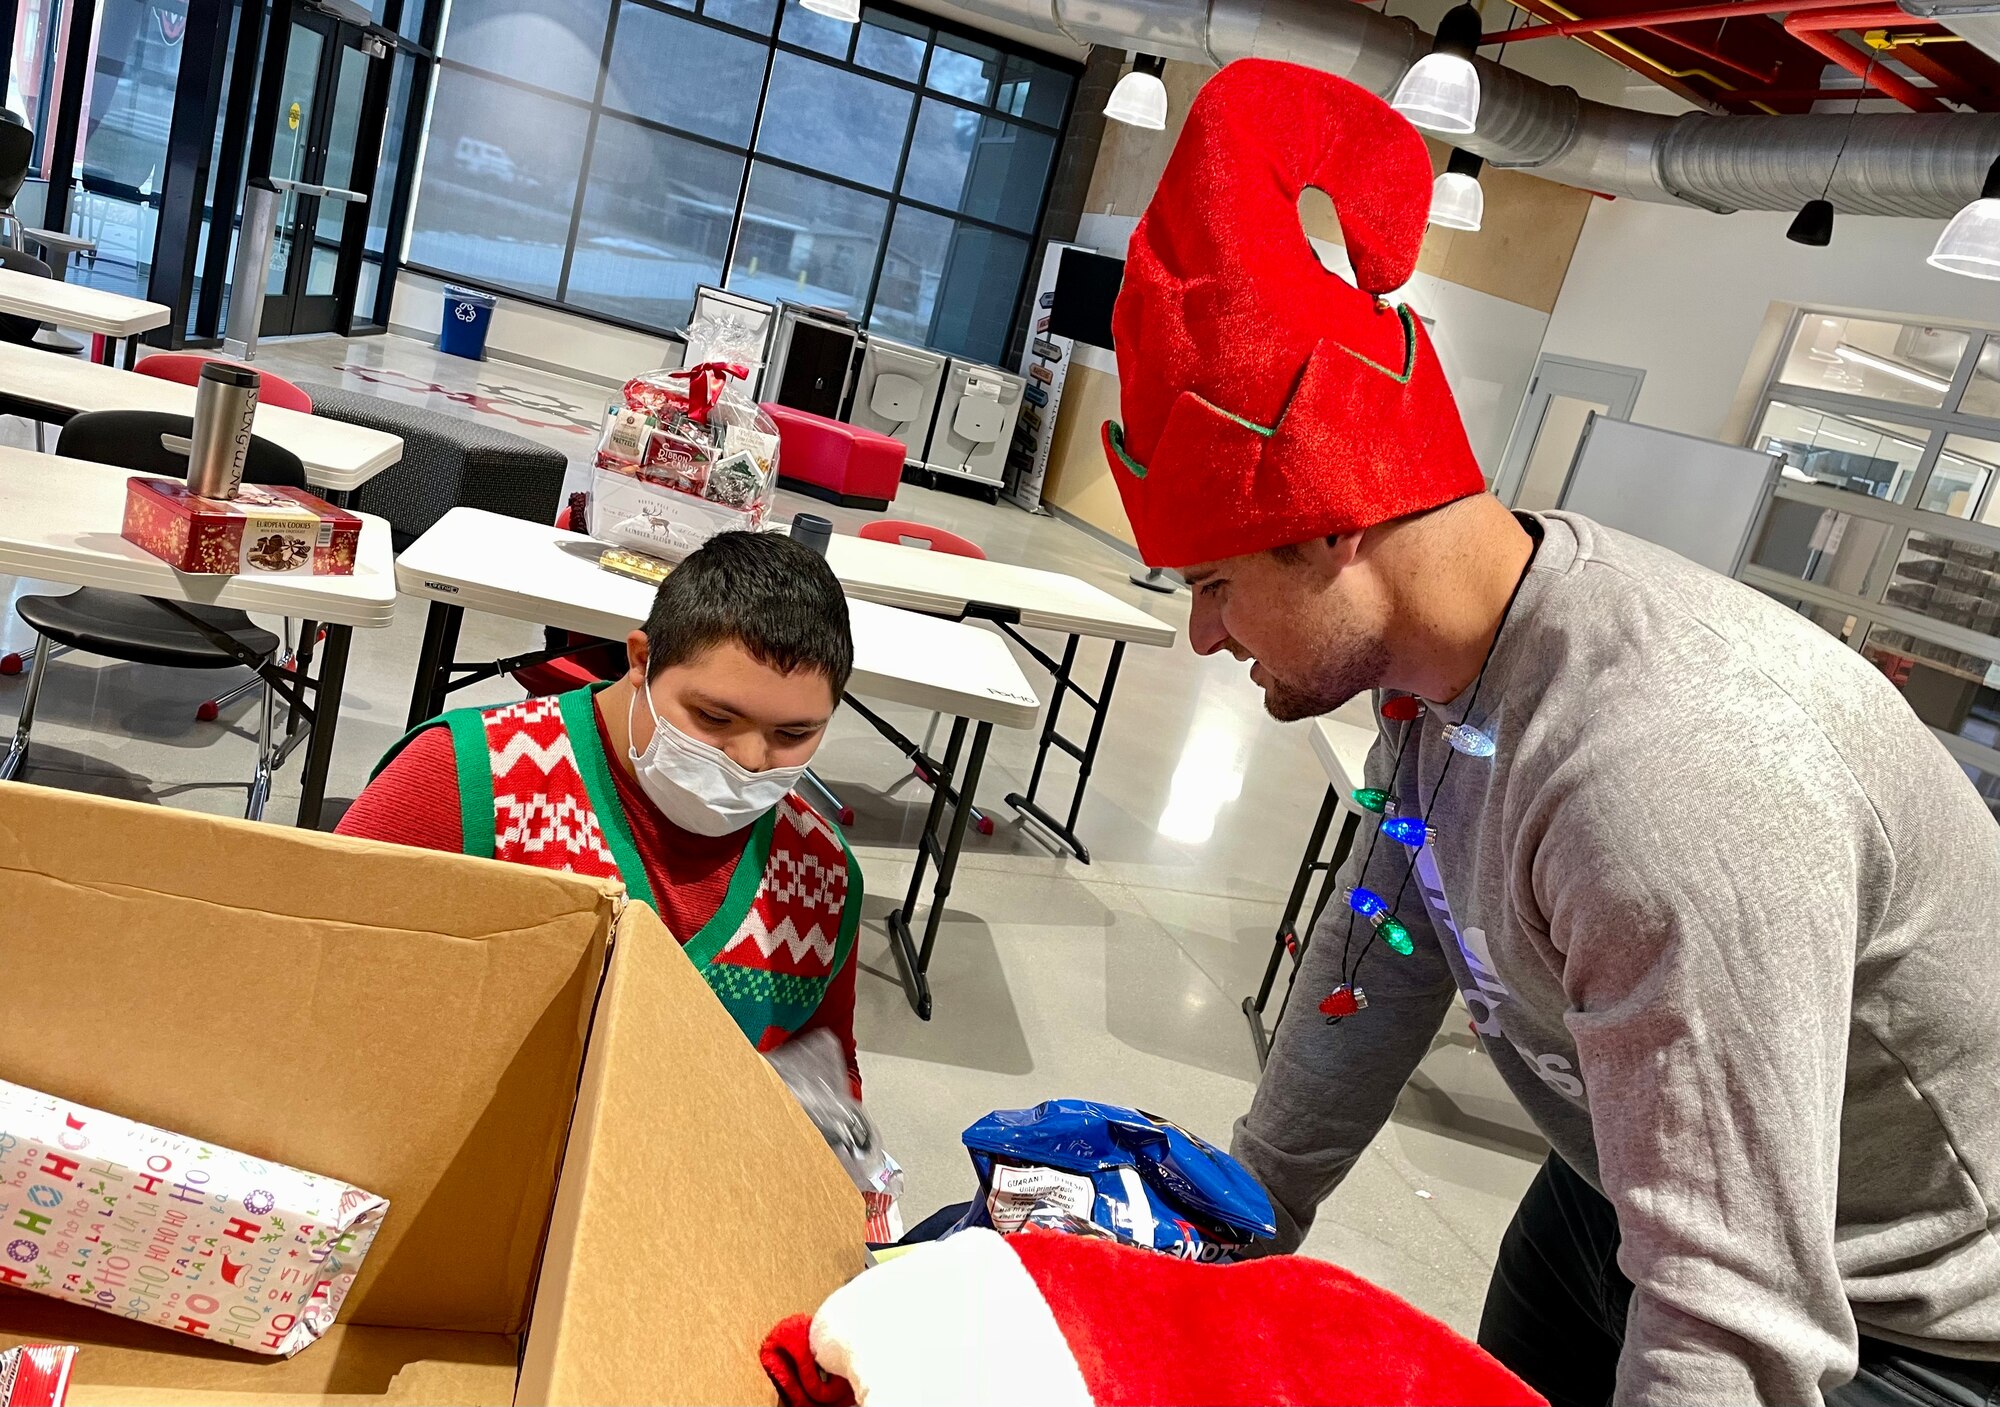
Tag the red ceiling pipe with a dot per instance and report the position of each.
(1856, 63)
(1683, 14)
(1721, 60)
(1948, 82)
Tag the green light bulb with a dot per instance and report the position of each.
(1395, 935)
(1372, 799)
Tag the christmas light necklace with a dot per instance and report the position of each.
(1412, 832)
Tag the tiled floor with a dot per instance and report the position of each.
(1120, 980)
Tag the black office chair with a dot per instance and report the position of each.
(140, 629)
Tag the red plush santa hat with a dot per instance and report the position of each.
(1063, 1321)
(1267, 401)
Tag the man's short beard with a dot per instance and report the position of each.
(1355, 674)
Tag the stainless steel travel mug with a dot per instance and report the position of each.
(225, 404)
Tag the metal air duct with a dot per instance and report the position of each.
(1915, 164)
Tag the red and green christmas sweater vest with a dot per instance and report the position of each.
(535, 787)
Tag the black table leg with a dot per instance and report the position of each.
(912, 962)
(326, 712)
(107, 350)
(427, 692)
(1085, 755)
(1290, 939)
(302, 659)
(131, 352)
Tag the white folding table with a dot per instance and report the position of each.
(1015, 598)
(475, 560)
(59, 521)
(1342, 749)
(112, 316)
(338, 457)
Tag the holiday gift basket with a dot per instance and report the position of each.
(686, 454)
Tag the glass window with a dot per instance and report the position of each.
(833, 120)
(1952, 690)
(977, 289)
(1988, 785)
(756, 16)
(392, 156)
(656, 216)
(555, 44)
(1982, 393)
(1962, 482)
(806, 240)
(498, 183)
(1884, 361)
(964, 69)
(907, 291)
(365, 290)
(410, 24)
(817, 32)
(890, 45)
(982, 166)
(1856, 453)
(1836, 623)
(948, 285)
(1821, 545)
(685, 74)
(1954, 582)
(1033, 91)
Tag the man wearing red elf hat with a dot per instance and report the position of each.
(1722, 909)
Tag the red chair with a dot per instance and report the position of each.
(567, 672)
(830, 459)
(185, 367)
(908, 534)
(904, 533)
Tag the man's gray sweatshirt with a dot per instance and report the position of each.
(1727, 918)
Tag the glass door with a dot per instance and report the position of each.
(314, 168)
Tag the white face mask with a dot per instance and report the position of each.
(700, 787)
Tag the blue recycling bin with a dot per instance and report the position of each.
(468, 314)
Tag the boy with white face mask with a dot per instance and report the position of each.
(676, 778)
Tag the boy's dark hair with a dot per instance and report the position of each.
(775, 597)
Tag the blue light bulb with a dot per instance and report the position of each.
(1406, 830)
(1366, 902)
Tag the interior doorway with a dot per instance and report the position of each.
(1562, 394)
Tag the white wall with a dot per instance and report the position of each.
(1685, 295)
(564, 343)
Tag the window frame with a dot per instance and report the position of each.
(934, 28)
(1901, 518)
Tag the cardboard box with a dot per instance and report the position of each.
(263, 531)
(599, 1192)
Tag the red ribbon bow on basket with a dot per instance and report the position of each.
(705, 383)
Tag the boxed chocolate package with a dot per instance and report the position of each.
(483, 1046)
(264, 530)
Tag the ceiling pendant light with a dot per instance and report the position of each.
(1440, 93)
(1970, 244)
(1813, 224)
(1458, 201)
(846, 11)
(1140, 99)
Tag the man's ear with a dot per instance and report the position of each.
(636, 654)
(1331, 555)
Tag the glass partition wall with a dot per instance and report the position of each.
(1885, 525)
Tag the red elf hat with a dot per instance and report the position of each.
(1267, 401)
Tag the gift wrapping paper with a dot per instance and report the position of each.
(148, 1225)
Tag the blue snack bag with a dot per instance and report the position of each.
(1071, 1164)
